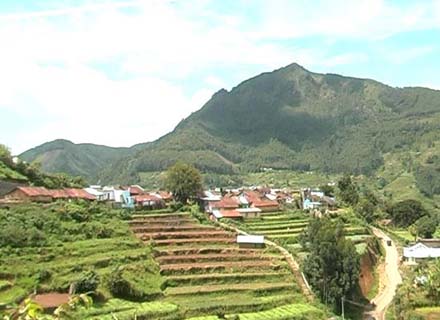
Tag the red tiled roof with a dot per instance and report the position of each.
(268, 203)
(230, 213)
(226, 202)
(146, 197)
(59, 194)
(135, 190)
(35, 191)
(79, 194)
(51, 300)
(165, 195)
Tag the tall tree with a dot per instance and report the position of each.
(333, 265)
(348, 190)
(406, 212)
(184, 181)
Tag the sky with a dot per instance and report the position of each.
(121, 72)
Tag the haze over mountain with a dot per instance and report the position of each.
(286, 119)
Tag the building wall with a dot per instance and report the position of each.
(269, 209)
(20, 195)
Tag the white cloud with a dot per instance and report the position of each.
(153, 48)
(371, 19)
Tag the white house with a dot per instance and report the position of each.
(420, 251)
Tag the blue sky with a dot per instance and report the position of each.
(123, 72)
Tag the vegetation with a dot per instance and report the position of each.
(418, 296)
(407, 212)
(332, 267)
(184, 181)
(52, 246)
(63, 156)
(30, 173)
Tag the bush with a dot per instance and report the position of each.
(87, 283)
(405, 213)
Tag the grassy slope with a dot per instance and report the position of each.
(64, 256)
(7, 173)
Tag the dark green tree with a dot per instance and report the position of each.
(184, 181)
(406, 212)
(333, 265)
(328, 190)
(426, 226)
(367, 206)
(348, 190)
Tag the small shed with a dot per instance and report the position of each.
(250, 241)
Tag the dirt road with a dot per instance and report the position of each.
(388, 280)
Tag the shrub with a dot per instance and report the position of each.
(87, 283)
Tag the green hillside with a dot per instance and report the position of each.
(296, 120)
(75, 159)
(288, 119)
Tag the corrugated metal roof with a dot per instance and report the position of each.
(250, 239)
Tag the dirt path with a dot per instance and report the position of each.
(389, 278)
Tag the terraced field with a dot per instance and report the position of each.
(285, 229)
(207, 273)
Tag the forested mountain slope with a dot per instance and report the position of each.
(286, 119)
(295, 119)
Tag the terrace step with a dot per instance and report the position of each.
(253, 286)
(280, 231)
(190, 241)
(176, 221)
(185, 235)
(276, 226)
(194, 279)
(203, 250)
(211, 257)
(234, 265)
(211, 304)
(170, 228)
(161, 215)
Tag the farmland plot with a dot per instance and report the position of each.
(207, 273)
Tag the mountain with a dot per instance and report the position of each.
(298, 120)
(290, 119)
(83, 159)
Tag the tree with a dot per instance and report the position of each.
(328, 190)
(348, 190)
(184, 181)
(406, 212)
(333, 265)
(426, 226)
(88, 283)
(367, 206)
(5, 155)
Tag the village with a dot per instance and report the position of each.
(218, 204)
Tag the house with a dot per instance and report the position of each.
(74, 193)
(135, 190)
(29, 194)
(260, 201)
(225, 213)
(8, 186)
(166, 196)
(149, 201)
(249, 212)
(420, 251)
(310, 205)
(99, 195)
(249, 241)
